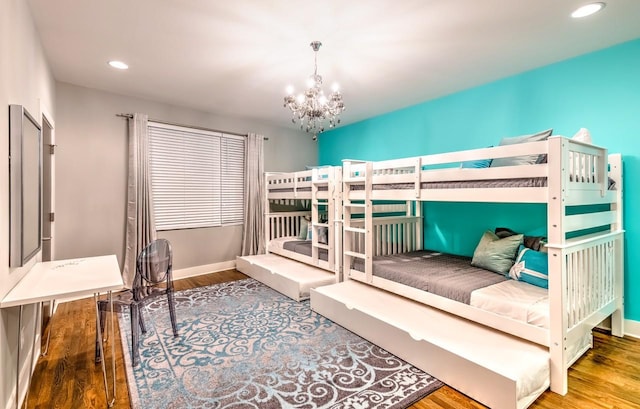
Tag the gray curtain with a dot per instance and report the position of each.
(141, 228)
(253, 233)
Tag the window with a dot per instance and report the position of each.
(197, 177)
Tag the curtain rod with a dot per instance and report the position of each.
(129, 116)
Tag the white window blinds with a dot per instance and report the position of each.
(197, 177)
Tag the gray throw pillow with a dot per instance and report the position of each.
(496, 254)
(304, 228)
(524, 159)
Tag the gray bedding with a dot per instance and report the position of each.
(304, 247)
(462, 184)
(300, 189)
(446, 275)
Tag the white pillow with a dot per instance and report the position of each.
(583, 135)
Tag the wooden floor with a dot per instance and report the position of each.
(608, 376)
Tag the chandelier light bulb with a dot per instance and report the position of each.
(335, 87)
(312, 107)
(290, 90)
(310, 82)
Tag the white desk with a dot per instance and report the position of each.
(62, 279)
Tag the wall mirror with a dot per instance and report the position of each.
(25, 186)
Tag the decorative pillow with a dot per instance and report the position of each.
(525, 159)
(531, 267)
(583, 135)
(533, 242)
(309, 231)
(496, 254)
(479, 163)
(323, 235)
(304, 229)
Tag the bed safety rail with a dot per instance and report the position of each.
(288, 185)
(284, 224)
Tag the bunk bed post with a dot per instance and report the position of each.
(315, 217)
(557, 178)
(337, 222)
(347, 236)
(417, 177)
(419, 225)
(368, 223)
(617, 318)
(267, 212)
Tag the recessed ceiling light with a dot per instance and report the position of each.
(587, 10)
(119, 65)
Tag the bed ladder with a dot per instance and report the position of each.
(358, 232)
(316, 204)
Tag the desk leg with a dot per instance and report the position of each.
(18, 358)
(101, 347)
(33, 354)
(50, 324)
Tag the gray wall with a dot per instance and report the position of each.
(25, 79)
(91, 173)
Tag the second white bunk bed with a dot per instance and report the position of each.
(294, 203)
(300, 202)
(497, 359)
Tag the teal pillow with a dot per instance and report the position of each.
(496, 254)
(531, 267)
(478, 163)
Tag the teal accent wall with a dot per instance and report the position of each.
(599, 91)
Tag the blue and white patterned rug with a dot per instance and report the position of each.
(244, 345)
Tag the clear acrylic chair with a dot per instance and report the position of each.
(153, 278)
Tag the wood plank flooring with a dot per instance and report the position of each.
(608, 376)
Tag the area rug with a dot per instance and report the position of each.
(243, 345)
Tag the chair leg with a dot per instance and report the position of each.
(102, 305)
(134, 334)
(172, 312)
(143, 327)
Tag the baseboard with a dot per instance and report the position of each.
(205, 269)
(632, 328)
(10, 403)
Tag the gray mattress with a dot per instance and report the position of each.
(446, 275)
(462, 184)
(300, 189)
(304, 247)
(471, 184)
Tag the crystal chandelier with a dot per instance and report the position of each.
(312, 107)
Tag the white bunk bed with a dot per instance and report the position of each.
(498, 360)
(293, 265)
(321, 189)
(316, 262)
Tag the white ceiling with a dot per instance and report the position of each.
(235, 57)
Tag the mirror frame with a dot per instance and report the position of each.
(25, 161)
